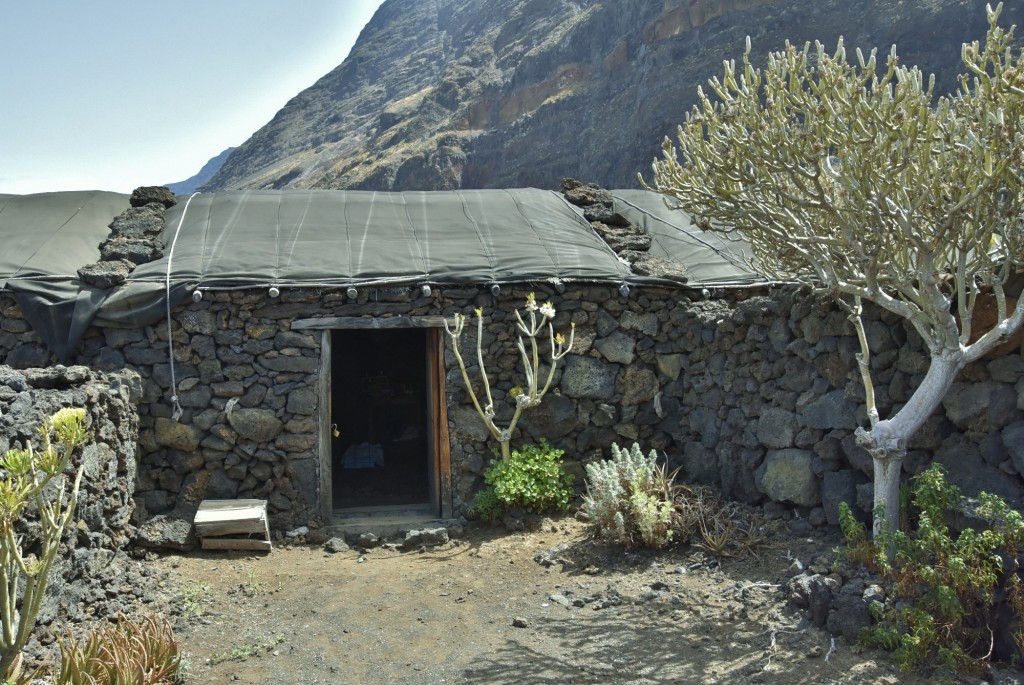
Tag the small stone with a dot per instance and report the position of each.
(336, 545)
(519, 622)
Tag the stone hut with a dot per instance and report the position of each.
(292, 348)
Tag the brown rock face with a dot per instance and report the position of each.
(510, 93)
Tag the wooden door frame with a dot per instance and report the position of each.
(438, 441)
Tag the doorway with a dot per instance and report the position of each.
(381, 451)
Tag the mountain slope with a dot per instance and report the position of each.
(442, 94)
(203, 176)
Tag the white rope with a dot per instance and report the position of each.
(167, 299)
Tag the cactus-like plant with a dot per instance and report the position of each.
(130, 652)
(26, 473)
(630, 499)
(537, 318)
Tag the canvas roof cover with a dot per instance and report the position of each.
(709, 259)
(46, 238)
(328, 238)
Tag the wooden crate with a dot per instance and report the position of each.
(233, 524)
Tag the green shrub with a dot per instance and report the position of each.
(533, 478)
(142, 652)
(942, 588)
(486, 506)
(630, 498)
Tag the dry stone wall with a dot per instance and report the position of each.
(757, 395)
(89, 574)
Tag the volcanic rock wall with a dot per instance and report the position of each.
(88, 576)
(758, 395)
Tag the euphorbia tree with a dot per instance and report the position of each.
(861, 182)
(539, 317)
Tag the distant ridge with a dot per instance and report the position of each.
(205, 174)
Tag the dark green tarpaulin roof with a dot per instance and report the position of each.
(709, 259)
(46, 237)
(338, 237)
(328, 238)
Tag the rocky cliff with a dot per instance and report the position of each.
(442, 94)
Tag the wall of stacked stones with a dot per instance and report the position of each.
(757, 395)
(103, 520)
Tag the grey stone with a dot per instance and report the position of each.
(167, 532)
(638, 384)
(27, 356)
(106, 274)
(858, 457)
(134, 250)
(302, 401)
(814, 593)
(981, 406)
(258, 425)
(700, 464)
(336, 545)
(849, 615)
(588, 378)
(606, 323)
(829, 411)
(837, 487)
(288, 364)
(1007, 369)
(1013, 441)
(776, 428)
(468, 424)
(296, 442)
(966, 469)
(617, 347)
(175, 435)
(670, 365)
(158, 195)
(644, 323)
(295, 339)
(554, 418)
(786, 475)
(199, 321)
(427, 537)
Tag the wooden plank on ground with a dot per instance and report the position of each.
(236, 543)
(246, 517)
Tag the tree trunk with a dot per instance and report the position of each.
(887, 440)
(887, 492)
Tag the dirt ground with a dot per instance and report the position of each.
(485, 609)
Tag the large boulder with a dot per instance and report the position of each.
(830, 411)
(588, 378)
(787, 476)
(258, 425)
(776, 428)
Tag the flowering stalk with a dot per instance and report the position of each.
(537, 318)
(26, 475)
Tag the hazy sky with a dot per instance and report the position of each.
(114, 94)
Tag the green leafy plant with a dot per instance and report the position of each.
(26, 474)
(130, 652)
(243, 652)
(533, 478)
(194, 597)
(486, 506)
(943, 587)
(630, 499)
